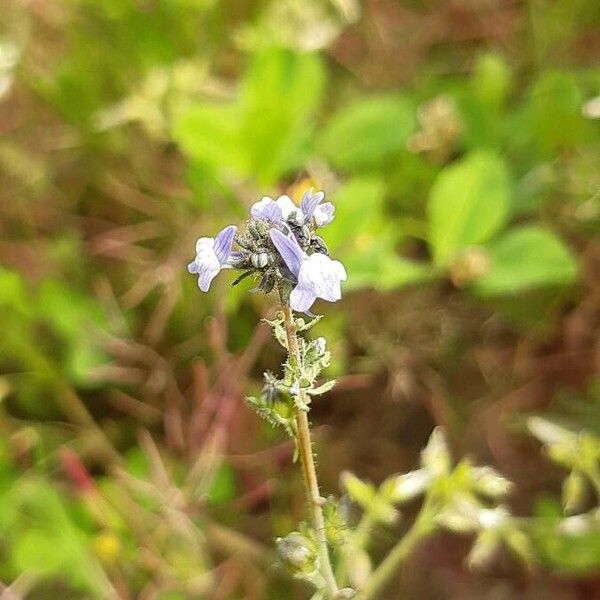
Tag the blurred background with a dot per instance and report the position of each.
(459, 140)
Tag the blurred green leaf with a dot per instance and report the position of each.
(491, 80)
(482, 105)
(377, 265)
(13, 294)
(209, 135)
(280, 93)
(526, 257)
(359, 209)
(361, 492)
(555, 113)
(266, 130)
(468, 204)
(78, 321)
(369, 255)
(38, 551)
(224, 487)
(575, 551)
(365, 133)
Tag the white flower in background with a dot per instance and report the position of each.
(212, 255)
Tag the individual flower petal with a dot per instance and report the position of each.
(323, 214)
(410, 485)
(309, 202)
(289, 249)
(287, 206)
(318, 277)
(206, 264)
(302, 298)
(267, 209)
(212, 255)
(223, 243)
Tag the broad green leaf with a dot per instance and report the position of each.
(266, 130)
(209, 135)
(279, 95)
(526, 257)
(365, 133)
(468, 204)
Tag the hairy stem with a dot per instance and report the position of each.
(309, 473)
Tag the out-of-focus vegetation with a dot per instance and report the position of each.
(459, 141)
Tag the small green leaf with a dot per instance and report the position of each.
(468, 204)
(361, 492)
(322, 389)
(364, 134)
(491, 80)
(524, 258)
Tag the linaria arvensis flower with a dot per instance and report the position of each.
(279, 245)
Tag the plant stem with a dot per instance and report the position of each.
(309, 473)
(385, 571)
(359, 539)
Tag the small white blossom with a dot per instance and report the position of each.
(212, 255)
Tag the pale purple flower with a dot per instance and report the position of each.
(283, 209)
(212, 255)
(322, 214)
(317, 275)
(276, 211)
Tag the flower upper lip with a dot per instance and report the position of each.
(283, 209)
(212, 255)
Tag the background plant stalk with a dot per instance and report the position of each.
(309, 473)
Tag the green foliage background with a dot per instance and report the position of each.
(459, 142)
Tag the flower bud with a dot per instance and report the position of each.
(320, 345)
(297, 553)
(259, 260)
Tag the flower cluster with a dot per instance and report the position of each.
(280, 246)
